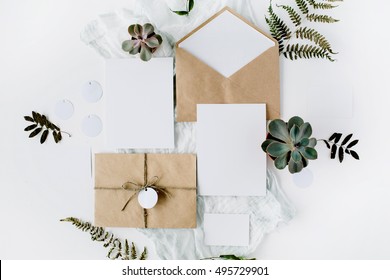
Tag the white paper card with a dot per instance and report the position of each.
(230, 159)
(227, 44)
(139, 108)
(226, 229)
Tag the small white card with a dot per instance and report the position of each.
(214, 45)
(139, 110)
(230, 159)
(226, 229)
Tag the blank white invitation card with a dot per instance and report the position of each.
(230, 159)
(139, 108)
(226, 229)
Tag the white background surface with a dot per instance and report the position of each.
(343, 214)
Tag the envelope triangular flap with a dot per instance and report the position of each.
(198, 83)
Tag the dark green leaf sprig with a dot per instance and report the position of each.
(118, 250)
(309, 42)
(42, 124)
(229, 257)
(190, 6)
(343, 148)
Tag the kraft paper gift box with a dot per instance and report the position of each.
(176, 173)
(207, 72)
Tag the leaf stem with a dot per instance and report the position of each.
(70, 135)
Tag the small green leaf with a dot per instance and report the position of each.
(148, 28)
(278, 129)
(266, 143)
(35, 132)
(295, 120)
(295, 167)
(281, 161)
(131, 30)
(312, 142)
(341, 154)
(28, 118)
(305, 142)
(336, 137)
(159, 38)
(138, 30)
(30, 127)
(146, 53)
(353, 143)
(333, 151)
(327, 144)
(277, 149)
(44, 136)
(294, 132)
(230, 257)
(127, 45)
(296, 156)
(152, 42)
(346, 139)
(354, 155)
(308, 152)
(190, 5)
(55, 136)
(181, 13)
(59, 136)
(305, 131)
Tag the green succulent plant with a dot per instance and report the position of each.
(290, 144)
(143, 41)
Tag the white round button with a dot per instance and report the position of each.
(147, 198)
(92, 91)
(64, 109)
(92, 125)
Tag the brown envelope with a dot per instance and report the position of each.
(176, 172)
(198, 83)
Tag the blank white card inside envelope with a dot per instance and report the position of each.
(139, 110)
(226, 229)
(230, 159)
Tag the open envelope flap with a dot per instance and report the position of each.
(198, 83)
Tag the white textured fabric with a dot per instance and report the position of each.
(105, 35)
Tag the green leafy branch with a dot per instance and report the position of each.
(41, 123)
(117, 249)
(190, 6)
(344, 148)
(229, 257)
(311, 43)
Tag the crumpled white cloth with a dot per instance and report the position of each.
(105, 35)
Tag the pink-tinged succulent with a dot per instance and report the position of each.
(143, 41)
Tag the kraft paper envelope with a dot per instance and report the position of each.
(214, 76)
(176, 173)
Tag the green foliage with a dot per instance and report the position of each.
(341, 149)
(309, 42)
(289, 144)
(143, 41)
(118, 250)
(229, 257)
(190, 6)
(41, 123)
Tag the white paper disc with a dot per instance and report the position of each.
(92, 91)
(147, 198)
(92, 125)
(303, 179)
(64, 109)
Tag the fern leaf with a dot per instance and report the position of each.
(302, 5)
(279, 30)
(321, 18)
(293, 14)
(144, 254)
(333, 1)
(314, 36)
(133, 252)
(321, 6)
(297, 51)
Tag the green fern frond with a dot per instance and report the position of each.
(144, 254)
(302, 5)
(281, 29)
(117, 248)
(293, 14)
(274, 34)
(321, 6)
(314, 36)
(321, 18)
(296, 51)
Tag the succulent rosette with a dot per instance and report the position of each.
(289, 144)
(143, 41)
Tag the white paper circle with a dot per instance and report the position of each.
(92, 91)
(304, 178)
(147, 198)
(92, 125)
(64, 109)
